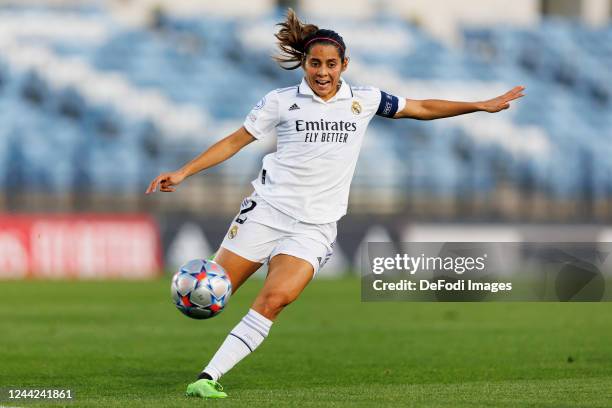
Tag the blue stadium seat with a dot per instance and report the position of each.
(203, 63)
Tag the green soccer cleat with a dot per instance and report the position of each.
(205, 389)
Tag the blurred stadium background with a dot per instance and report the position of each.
(97, 97)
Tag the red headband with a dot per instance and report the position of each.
(323, 38)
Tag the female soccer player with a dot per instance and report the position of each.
(302, 189)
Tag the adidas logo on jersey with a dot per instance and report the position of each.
(294, 107)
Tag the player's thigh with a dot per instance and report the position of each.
(238, 268)
(287, 277)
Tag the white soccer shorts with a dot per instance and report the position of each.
(260, 231)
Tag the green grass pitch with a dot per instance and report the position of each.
(123, 344)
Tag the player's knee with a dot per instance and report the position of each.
(272, 303)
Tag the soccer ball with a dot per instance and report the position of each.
(201, 289)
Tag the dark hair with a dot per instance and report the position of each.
(296, 38)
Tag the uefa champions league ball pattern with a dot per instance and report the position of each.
(201, 289)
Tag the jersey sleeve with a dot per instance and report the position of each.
(264, 117)
(389, 104)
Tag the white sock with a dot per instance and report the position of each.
(242, 341)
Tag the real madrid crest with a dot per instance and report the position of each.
(232, 232)
(356, 108)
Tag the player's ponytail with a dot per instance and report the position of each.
(291, 40)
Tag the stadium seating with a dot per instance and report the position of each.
(108, 111)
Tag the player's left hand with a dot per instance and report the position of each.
(502, 102)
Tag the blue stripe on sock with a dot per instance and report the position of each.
(242, 340)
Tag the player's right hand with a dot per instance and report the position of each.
(166, 181)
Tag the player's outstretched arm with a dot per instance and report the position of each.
(429, 109)
(217, 153)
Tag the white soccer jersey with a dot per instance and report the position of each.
(318, 143)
